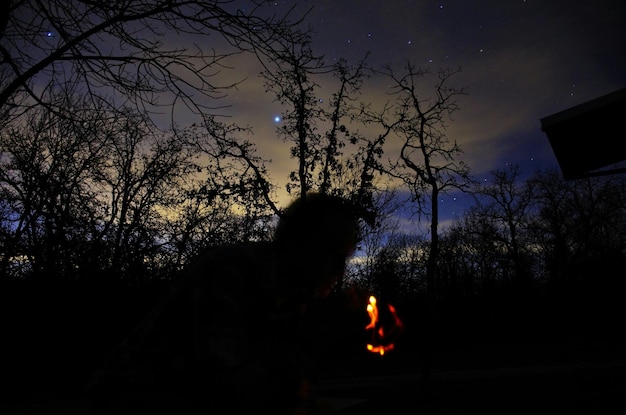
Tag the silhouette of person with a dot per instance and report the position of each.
(231, 336)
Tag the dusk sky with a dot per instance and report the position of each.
(521, 60)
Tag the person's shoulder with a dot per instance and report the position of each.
(240, 250)
(236, 255)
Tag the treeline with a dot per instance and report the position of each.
(113, 199)
(523, 237)
(110, 198)
(537, 261)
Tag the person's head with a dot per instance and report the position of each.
(315, 236)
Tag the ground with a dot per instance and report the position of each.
(584, 380)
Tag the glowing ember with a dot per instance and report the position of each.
(381, 337)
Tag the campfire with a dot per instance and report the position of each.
(382, 337)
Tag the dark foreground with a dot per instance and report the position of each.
(586, 387)
(576, 389)
(548, 360)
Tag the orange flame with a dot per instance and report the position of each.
(380, 337)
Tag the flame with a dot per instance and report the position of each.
(381, 337)
(372, 310)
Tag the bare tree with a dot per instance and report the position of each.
(331, 156)
(341, 109)
(472, 246)
(143, 179)
(427, 161)
(112, 195)
(580, 226)
(46, 168)
(292, 81)
(508, 205)
(231, 199)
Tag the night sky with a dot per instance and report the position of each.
(521, 60)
